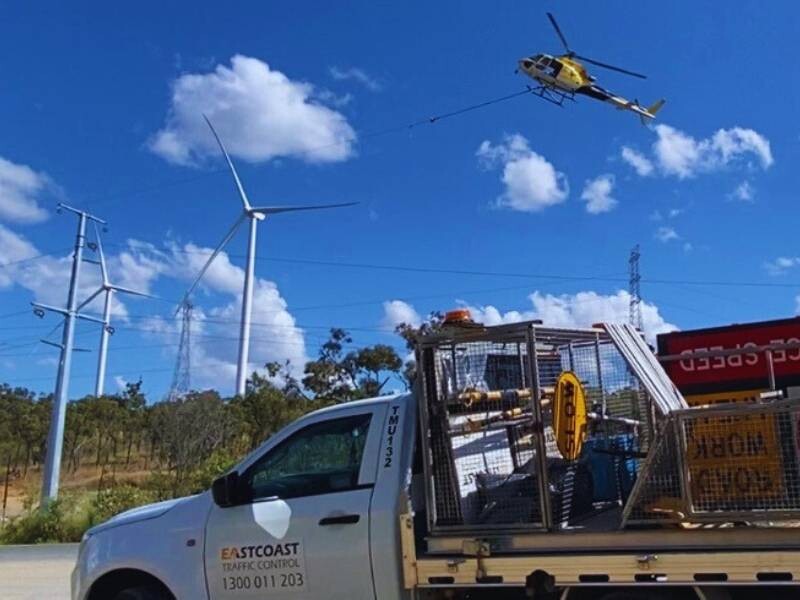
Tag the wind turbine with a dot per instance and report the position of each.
(255, 214)
(108, 288)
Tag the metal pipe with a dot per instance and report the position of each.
(603, 409)
(770, 370)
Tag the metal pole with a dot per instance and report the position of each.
(55, 438)
(770, 370)
(539, 430)
(103, 353)
(247, 310)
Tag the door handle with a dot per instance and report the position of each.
(340, 520)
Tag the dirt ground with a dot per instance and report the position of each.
(20, 489)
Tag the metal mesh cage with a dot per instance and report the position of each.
(492, 455)
(657, 496)
(723, 464)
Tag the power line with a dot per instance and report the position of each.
(510, 274)
(469, 272)
(32, 258)
(15, 314)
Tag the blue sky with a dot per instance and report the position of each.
(102, 104)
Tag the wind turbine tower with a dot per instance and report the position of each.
(254, 214)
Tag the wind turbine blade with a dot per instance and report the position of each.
(273, 210)
(125, 290)
(103, 270)
(90, 298)
(236, 179)
(225, 240)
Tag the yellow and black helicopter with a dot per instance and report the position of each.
(562, 77)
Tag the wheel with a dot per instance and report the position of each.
(142, 592)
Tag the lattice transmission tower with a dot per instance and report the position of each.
(634, 289)
(181, 378)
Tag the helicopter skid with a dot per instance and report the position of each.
(552, 94)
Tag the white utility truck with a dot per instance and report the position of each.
(528, 462)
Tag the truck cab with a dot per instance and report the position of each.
(312, 514)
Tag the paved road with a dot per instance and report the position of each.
(36, 572)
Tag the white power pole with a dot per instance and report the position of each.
(102, 357)
(55, 438)
(108, 288)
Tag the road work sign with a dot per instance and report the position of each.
(734, 462)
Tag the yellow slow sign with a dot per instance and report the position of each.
(569, 415)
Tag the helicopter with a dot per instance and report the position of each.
(562, 77)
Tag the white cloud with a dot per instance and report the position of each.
(120, 382)
(574, 310)
(47, 277)
(744, 192)
(259, 112)
(356, 74)
(531, 182)
(678, 154)
(334, 99)
(781, 265)
(666, 234)
(681, 155)
(275, 335)
(597, 194)
(577, 310)
(640, 163)
(21, 189)
(397, 312)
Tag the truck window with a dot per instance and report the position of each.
(319, 459)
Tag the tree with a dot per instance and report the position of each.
(410, 334)
(339, 377)
(265, 409)
(330, 377)
(372, 362)
(190, 430)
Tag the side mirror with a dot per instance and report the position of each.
(224, 490)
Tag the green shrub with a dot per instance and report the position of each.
(112, 501)
(214, 466)
(62, 520)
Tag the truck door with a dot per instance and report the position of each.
(303, 532)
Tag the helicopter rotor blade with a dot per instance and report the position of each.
(611, 67)
(558, 31)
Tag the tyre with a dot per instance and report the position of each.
(142, 592)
